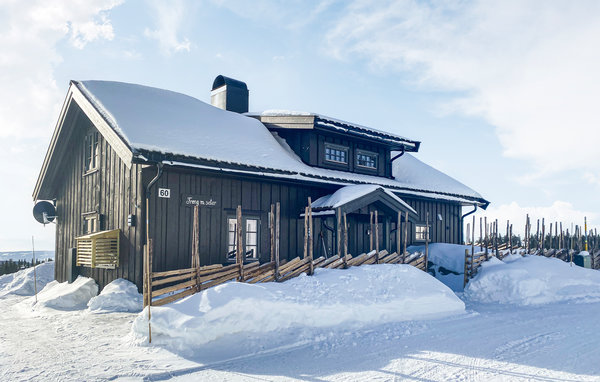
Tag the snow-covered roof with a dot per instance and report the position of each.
(328, 123)
(412, 173)
(347, 194)
(187, 131)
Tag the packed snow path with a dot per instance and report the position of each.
(555, 342)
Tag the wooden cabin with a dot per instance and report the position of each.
(121, 149)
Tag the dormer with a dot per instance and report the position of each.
(326, 142)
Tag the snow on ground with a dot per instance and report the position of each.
(556, 341)
(66, 296)
(118, 296)
(24, 283)
(352, 298)
(533, 280)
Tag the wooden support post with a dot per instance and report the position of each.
(376, 237)
(537, 236)
(239, 247)
(272, 231)
(345, 241)
(277, 232)
(405, 236)
(426, 240)
(562, 237)
(371, 231)
(527, 228)
(486, 238)
(305, 252)
(496, 238)
(145, 275)
(150, 255)
(310, 237)
(480, 234)
(543, 234)
(473, 236)
(338, 232)
(510, 241)
(398, 225)
(196, 246)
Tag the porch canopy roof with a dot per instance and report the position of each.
(351, 198)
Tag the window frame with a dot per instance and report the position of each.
(91, 152)
(228, 245)
(367, 153)
(421, 238)
(91, 217)
(340, 148)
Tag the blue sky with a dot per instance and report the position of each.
(502, 95)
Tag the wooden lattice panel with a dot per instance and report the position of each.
(99, 250)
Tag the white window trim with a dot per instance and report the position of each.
(244, 234)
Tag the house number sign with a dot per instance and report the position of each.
(199, 200)
(164, 193)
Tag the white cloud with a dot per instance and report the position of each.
(559, 211)
(30, 98)
(529, 68)
(169, 17)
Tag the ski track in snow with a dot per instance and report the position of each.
(556, 342)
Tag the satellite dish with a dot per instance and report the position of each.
(44, 212)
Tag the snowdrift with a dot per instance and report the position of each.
(118, 296)
(354, 297)
(65, 296)
(532, 280)
(22, 282)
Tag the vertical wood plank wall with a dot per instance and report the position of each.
(112, 192)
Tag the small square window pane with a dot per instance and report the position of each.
(251, 225)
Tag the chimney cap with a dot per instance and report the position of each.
(222, 80)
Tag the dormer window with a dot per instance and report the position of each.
(366, 159)
(336, 154)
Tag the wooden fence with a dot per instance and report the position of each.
(161, 288)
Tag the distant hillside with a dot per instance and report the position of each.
(26, 255)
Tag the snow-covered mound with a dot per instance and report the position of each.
(118, 296)
(533, 280)
(22, 282)
(354, 297)
(67, 296)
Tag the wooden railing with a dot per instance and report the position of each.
(164, 287)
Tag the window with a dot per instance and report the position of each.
(90, 224)
(92, 151)
(366, 159)
(250, 232)
(336, 154)
(421, 232)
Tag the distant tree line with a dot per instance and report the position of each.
(10, 266)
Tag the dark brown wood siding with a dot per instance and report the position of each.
(112, 192)
(171, 220)
(447, 230)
